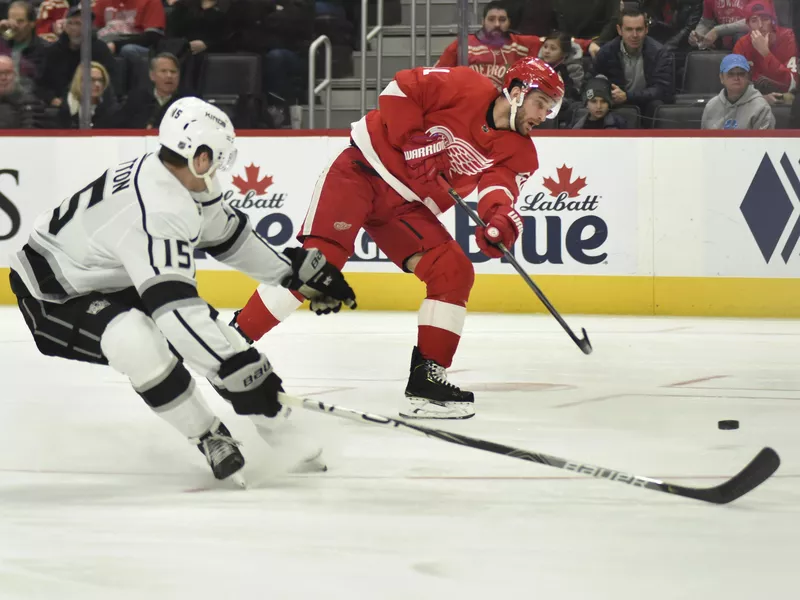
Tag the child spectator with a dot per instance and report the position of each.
(597, 98)
(103, 106)
(770, 49)
(739, 105)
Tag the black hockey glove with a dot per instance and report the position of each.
(250, 384)
(318, 280)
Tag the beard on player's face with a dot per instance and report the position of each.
(533, 112)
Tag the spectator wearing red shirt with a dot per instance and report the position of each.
(722, 20)
(50, 19)
(493, 49)
(131, 28)
(771, 50)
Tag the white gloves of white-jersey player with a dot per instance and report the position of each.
(318, 280)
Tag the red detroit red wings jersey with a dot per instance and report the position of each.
(724, 11)
(452, 103)
(492, 62)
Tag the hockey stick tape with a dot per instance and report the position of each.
(492, 232)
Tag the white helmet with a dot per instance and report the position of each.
(191, 123)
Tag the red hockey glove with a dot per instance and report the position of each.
(503, 226)
(426, 156)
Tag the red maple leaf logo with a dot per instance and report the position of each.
(251, 182)
(563, 183)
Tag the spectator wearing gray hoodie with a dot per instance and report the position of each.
(739, 105)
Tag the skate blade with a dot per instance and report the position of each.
(238, 480)
(421, 408)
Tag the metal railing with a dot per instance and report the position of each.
(427, 33)
(365, 39)
(325, 84)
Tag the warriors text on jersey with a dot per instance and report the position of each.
(454, 103)
(137, 226)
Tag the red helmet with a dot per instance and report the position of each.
(535, 74)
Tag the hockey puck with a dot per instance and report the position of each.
(730, 424)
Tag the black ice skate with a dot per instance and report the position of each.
(430, 396)
(222, 453)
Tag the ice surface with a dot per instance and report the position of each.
(99, 498)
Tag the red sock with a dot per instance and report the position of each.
(255, 319)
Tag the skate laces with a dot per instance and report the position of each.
(439, 374)
(217, 447)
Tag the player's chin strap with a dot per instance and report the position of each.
(515, 104)
(206, 177)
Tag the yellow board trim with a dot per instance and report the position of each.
(576, 294)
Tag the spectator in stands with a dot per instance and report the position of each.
(739, 105)
(770, 49)
(639, 68)
(597, 99)
(493, 49)
(202, 23)
(281, 32)
(18, 108)
(145, 106)
(133, 30)
(25, 48)
(64, 56)
(588, 19)
(565, 56)
(202, 26)
(103, 104)
(722, 24)
(532, 17)
(672, 21)
(50, 19)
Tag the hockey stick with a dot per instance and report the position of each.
(754, 474)
(583, 343)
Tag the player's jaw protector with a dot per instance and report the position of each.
(533, 74)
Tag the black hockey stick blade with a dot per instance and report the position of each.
(754, 474)
(584, 344)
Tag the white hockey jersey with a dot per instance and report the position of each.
(136, 225)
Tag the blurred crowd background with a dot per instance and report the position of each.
(713, 64)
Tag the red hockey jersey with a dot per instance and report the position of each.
(724, 11)
(777, 71)
(494, 62)
(454, 103)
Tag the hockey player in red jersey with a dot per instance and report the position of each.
(430, 121)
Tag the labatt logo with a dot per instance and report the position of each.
(565, 196)
(258, 192)
(558, 220)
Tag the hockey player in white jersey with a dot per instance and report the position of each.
(108, 277)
